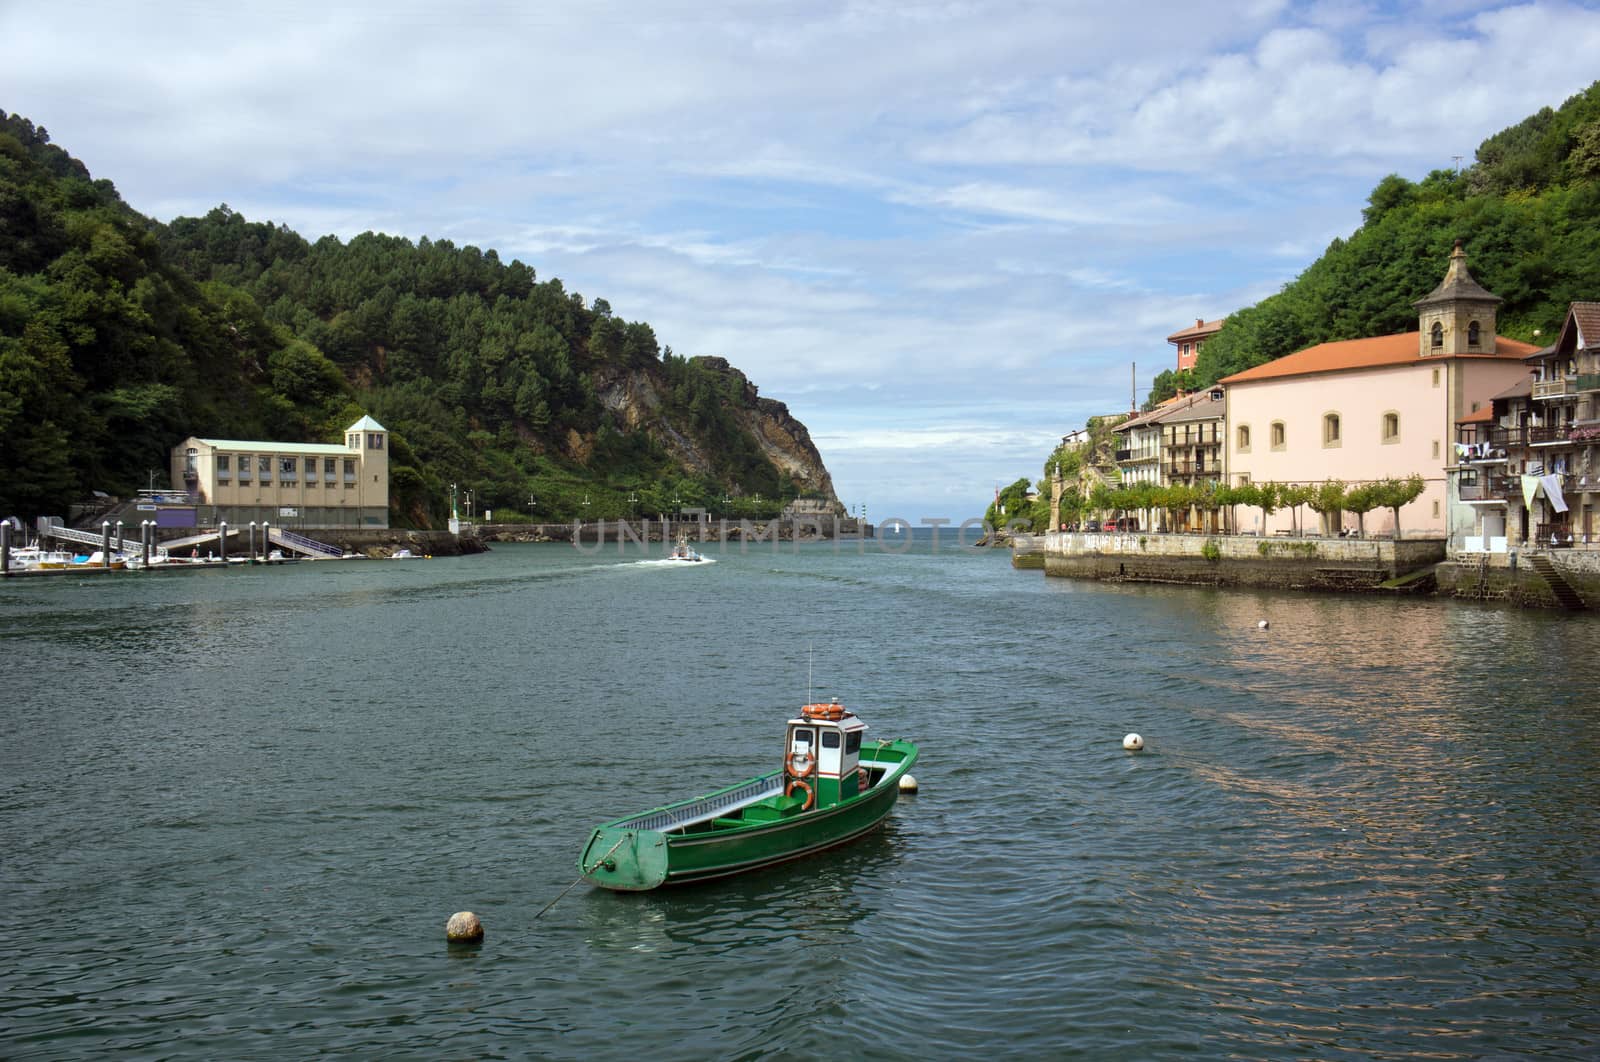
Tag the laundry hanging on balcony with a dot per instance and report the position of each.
(1552, 493)
(1551, 485)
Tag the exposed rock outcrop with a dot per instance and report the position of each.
(634, 397)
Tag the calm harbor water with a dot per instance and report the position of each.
(236, 809)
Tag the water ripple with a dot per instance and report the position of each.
(242, 807)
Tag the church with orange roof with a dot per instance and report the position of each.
(1362, 410)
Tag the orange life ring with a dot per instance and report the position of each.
(831, 711)
(811, 795)
(798, 772)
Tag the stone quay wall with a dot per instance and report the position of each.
(1511, 578)
(1280, 563)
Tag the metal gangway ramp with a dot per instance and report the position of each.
(129, 546)
(309, 547)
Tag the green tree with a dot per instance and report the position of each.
(1328, 500)
(1395, 494)
(1361, 500)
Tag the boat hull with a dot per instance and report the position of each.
(627, 858)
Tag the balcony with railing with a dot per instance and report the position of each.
(1560, 387)
(1531, 435)
(1186, 469)
(1489, 489)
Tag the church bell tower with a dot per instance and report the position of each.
(1458, 317)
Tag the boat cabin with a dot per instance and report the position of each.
(822, 754)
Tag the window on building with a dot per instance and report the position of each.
(1437, 332)
(1436, 508)
(1242, 438)
(1436, 377)
(330, 466)
(224, 472)
(264, 468)
(1330, 429)
(288, 469)
(244, 467)
(1279, 436)
(1472, 339)
(1391, 427)
(349, 471)
(190, 458)
(374, 441)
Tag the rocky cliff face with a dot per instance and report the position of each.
(634, 397)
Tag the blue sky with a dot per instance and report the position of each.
(942, 232)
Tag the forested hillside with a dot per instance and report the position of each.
(120, 336)
(1527, 209)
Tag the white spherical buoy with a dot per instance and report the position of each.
(1262, 625)
(908, 784)
(1133, 743)
(463, 928)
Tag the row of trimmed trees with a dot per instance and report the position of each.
(1328, 498)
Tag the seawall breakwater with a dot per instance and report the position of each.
(1528, 578)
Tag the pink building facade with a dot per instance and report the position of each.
(1188, 341)
(1370, 409)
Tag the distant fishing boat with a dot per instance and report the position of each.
(832, 788)
(684, 552)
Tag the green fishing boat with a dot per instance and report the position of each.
(833, 787)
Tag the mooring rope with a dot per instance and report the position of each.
(589, 869)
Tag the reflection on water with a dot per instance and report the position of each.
(244, 803)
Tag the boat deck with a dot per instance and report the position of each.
(691, 812)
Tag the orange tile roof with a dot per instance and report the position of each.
(1398, 349)
(1201, 329)
(1477, 416)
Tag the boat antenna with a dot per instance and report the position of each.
(809, 648)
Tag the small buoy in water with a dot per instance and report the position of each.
(1133, 743)
(463, 927)
(1262, 625)
(908, 784)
